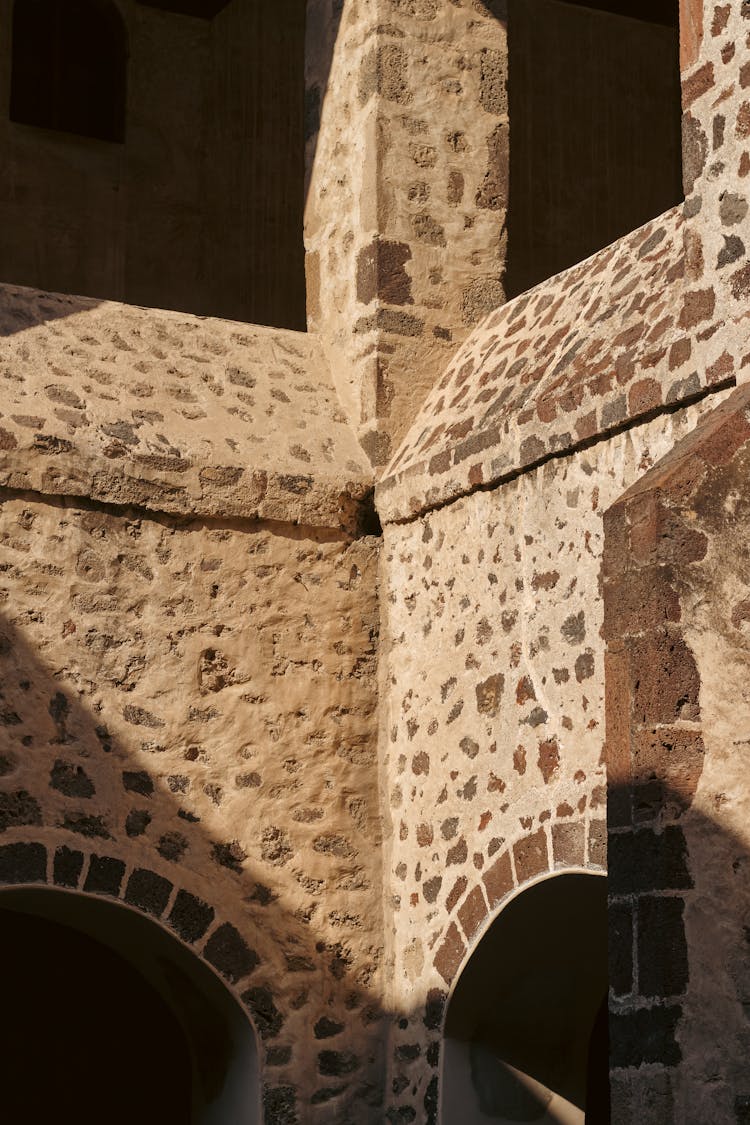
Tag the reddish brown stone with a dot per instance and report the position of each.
(530, 855)
(498, 879)
(698, 305)
(472, 912)
(667, 766)
(679, 353)
(524, 690)
(640, 596)
(568, 844)
(690, 32)
(455, 893)
(489, 694)
(643, 396)
(664, 678)
(697, 84)
(450, 954)
(549, 758)
(722, 369)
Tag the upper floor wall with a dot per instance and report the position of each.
(193, 200)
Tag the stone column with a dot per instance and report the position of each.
(716, 145)
(407, 172)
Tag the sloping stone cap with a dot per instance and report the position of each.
(171, 412)
(582, 354)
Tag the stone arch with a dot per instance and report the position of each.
(574, 845)
(69, 67)
(197, 964)
(524, 1026)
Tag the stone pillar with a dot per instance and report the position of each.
(407, 193)
(716, 146)
(676, 575)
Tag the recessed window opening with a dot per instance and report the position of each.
(201, 208)
(526, 1026)
(595, 128)
(108, 1018)
(69, 67)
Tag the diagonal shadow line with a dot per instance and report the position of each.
(73, 778)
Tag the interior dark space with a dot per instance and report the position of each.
(155, 154)
(595, 136)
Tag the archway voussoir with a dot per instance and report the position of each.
(451, 953)
(67, 867)
(23, 863)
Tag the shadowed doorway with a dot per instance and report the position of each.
(526, 1027)
(106, 1018)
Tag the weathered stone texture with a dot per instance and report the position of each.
(678, 798)
(492, 719)
(173, 413)
(406, 205)
(189, 717)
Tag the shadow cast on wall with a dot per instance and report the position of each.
(57, 827)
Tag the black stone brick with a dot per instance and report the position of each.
(326, 1094)
(138, 781)
(266, 1016)
(105, 875)
(431, 1101)
(434, 1008)
(23, 863)
(68, 866)
(325, 1028)
(742, 1109)
(648, 861)
(662, 949)
(620, 940)
(278, 1056)
(190, 917)
(335, 1064)
(230, 954)
(644, 1036)
(279, 1105)
(148, 891)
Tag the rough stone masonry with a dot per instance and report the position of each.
(318, 649)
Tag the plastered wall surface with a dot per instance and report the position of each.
(195, 702)
(492, 715)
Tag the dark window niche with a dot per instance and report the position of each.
(198, 9)
(69, 67)
(595, 118)
(200, 209)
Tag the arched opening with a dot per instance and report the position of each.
(106, 1017)
(526, 1026)
(595, 128)
(69, 67)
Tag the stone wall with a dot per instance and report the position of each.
(492, 717)
(716, 158)
(676, 607)
(189, 710)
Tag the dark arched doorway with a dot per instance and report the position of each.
(106, 1017)
(526, 1026)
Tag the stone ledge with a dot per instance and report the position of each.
(615, 339)
(173, 413)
